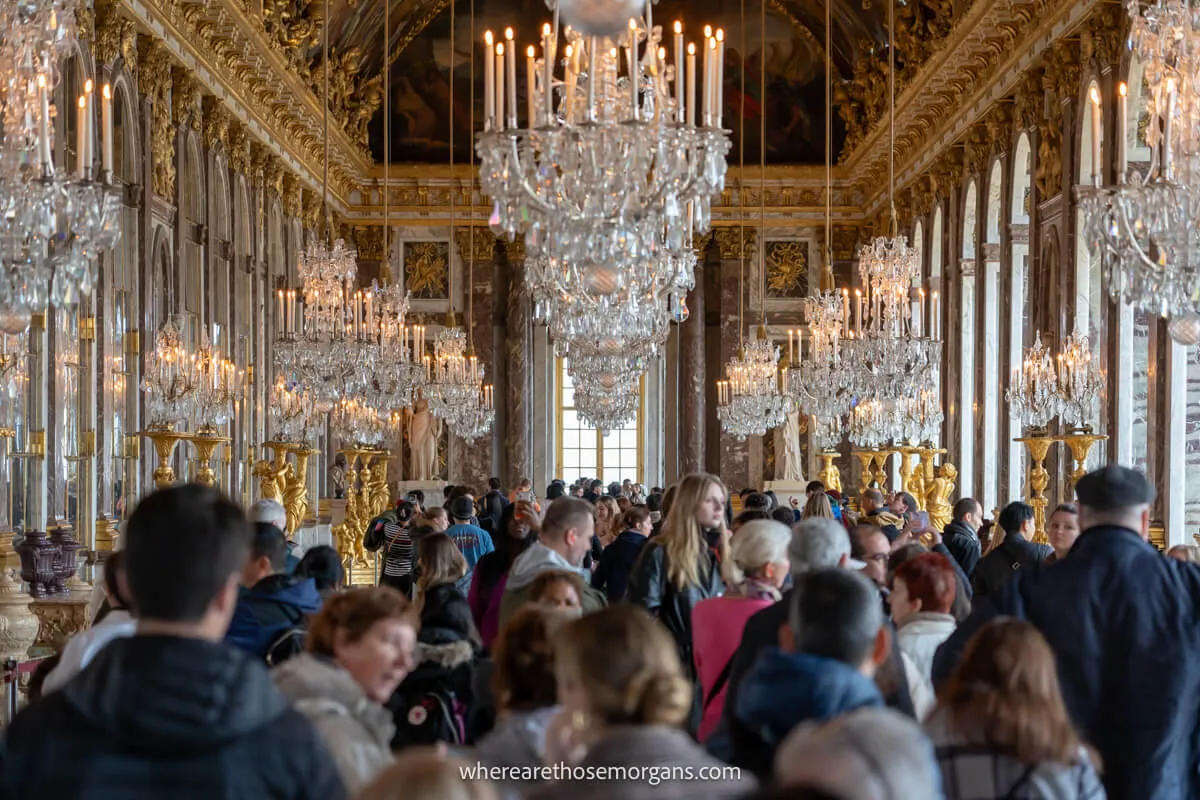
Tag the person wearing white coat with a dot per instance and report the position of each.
(923, 591)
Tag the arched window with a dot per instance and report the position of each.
(1018, 330)
(585, 452)
(968, 412)
(935, 285)
(989, 267)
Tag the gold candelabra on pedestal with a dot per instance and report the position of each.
(295, 488)
(878, 467)
(206, 441)
(830, 475)
(272, 473)
(1080, 442)
(908, 462)
(937, 497)
(1038, 441)
(865, 473)
(164, 438)
(349, 533)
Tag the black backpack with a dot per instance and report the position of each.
(426, 715)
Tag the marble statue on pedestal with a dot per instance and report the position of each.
(424, 431)
(789, 459)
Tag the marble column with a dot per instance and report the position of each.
(476, 250)
(692, 374)
(734, 454)
(518, 353)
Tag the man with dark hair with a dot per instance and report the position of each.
(172, 712)
(875, 512)
(902, 504)
(563, 542)
(491, 506)
(472, 541)
(594, 490)
(814, 487)
(870, 546)
(272, 606)
(961, 535)
(829, 650)
(1013, 553)
(1121, 620)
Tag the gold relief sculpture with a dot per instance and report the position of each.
(476, 243)
(830, 475)
(215, 127)
(730, 245)
(291, 199)
(115, 35)
(787, 269)
(380, 494)
(154, 84)
(369, 243)
(426, 269)
(514, 251)
(185, 97)
(937, 500)
(310, 209)
(295, 489)
(271, 473)
(1038, 445)
(294, 28)
(206, 441)
(239, 148)
(273, 171)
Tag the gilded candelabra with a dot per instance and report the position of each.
(937, 500)
(924, 474)
(164, 438)
(206, 441)
(349, 533)
(908, 470)
(1080, 444)
(380, 494)
(830, 475)
(271, 473)
(295, 489)
(878, 469)
(1038, 441)
(865, 473)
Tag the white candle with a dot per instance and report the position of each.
(921, 312)
(1096, 167)
(529, 79)
(548, 53)
(89, 125)
(80, 134)
(499, 87)
(47, 152)
(569, 85)
(846, 310)
(1169, 124)
(593, 75)
(1122, 130)
(936, 333)
(858, 299)
(281, 324)
(511, 53)
(631, 58)
(690, 87)
(489, 83)
(679, 84)
(291, 310)
(106, 130)
(706, 114)
(719, 79)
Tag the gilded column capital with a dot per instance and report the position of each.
(239, 148)
(845, 242)
(115, 35)
(291, 196)
(1106, 30)
(259, 155)
(732, 246)
(310, 208)
(476, 244)
(999, 128)
(368, 241)
(515, 250)
(273, 171)
(154, 84)
(216, 122)
(185, 97)
(1027, 102)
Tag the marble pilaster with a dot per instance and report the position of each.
(518, 355)
(692, 374)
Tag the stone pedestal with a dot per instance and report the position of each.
(435, 491)
(18, 624)
(59, 619)
(786, 491)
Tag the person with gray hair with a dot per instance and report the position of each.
(829, 650)
(868, 754)
(816, 544)
(1121, 620)
(272, 512)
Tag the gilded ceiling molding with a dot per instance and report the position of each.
(729, 244)
(185, 99)
(476, 244)
(154, 84)
(215, 128)
(1102, 39)
(115, 35)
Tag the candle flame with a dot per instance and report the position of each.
(508, 34)
(678, 26)
(691, 48)
(1122, 89)
(88, 86)
(712, 44)
(82, 103)
(720, 34)
(545, 29)
(487, 37)
(529, 51)
(107, 92)
(708, 31)
(500, 49)
(1095, 95)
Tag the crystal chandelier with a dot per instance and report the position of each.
(452, 378)
(476, 418)
(13, 377)
(872, 424)
(389, 350)
(1080, 382)
(749, 401)
(218, 388)
(352, 420)
(607, 410)
(1143, 227)
(818, 381)
(919, 418)
(611, 175)
(53, 225)
(1034, 394)
(291, 412)
(170, 380)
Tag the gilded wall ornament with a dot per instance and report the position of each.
(476, 244)
(115, 35)
(369, 243)
(310, 208)
(239, 148)
(730, 245)
(291, 195)
(787, 269)
(426, 269)
(185, 98)
(215, 128)
(154, 84)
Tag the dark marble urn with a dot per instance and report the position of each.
(41, 562)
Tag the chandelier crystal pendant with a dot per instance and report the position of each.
(817, 381)
(611, 174)
(291, 412)
(452, 378)
(353, 420)
(53, 225)
(749, 401)
(218, 388)
(1034, 394)
(607, 410)
(170, 379)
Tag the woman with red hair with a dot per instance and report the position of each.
(923, 591)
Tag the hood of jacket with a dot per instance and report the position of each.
(536, 559)
(784, 689)
(174, 695)
(927, 623)
(519, 739)
(318, 686)
(299, 592)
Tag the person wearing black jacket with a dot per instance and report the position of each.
(960, 534)
(172, 712)
(1012, 554)
(682, 565)
(612, 575)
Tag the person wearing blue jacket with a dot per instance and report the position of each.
(273, 607)
(834, 641)
(612, 573)
(1122, 621)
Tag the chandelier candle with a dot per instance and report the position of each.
(511, 62)
(1122, 122)
(499, 88)
(548, 54)
(489, 83)
(106, 131)
(46, 150)
(1095, 98)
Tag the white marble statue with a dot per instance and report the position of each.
(423, 433)
(789, 460)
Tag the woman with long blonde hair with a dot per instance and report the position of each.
(608, 520)
(682, 565)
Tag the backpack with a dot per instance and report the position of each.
(286, 643)
(427, 715)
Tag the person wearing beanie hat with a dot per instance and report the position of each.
(472, 541)
(1121, 620)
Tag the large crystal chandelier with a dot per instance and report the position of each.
(389, 350)
(291, 412)
(873, 424)
(1143, 227)
(475, 420)
(1080, 382)
(218, 388)
(1034, 395)
(52, 225)
(817, 380)
(170, 379)
(749, 400)
(452, 378)
(612, 174)
(353, 420)
(607, 410)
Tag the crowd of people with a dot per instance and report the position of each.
(618, 642)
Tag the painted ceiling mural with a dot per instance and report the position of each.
(421, 55)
